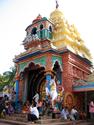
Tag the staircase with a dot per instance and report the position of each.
(17, 117)
(21, 119)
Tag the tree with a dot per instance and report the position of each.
(9, 75)
(7, 78)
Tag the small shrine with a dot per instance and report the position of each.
(53, 47)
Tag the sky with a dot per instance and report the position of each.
(16, 15)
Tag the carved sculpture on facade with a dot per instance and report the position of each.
(29, 38)
(66, 35)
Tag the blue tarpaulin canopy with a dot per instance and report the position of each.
(89, 86)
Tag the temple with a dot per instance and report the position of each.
(53, 47)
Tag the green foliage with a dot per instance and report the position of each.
(7, 78)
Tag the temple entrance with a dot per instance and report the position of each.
(36, 82)
(34, 79)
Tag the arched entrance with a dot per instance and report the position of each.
(58, 72)
(35, 75)
(36, 79)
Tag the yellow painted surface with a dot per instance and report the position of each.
(67, 35)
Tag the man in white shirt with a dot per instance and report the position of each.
(65, 113)
(74, 114)
(34, 113)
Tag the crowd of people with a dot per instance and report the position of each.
(45, 107)
(40, 107)
(7, 105)
(52, 105)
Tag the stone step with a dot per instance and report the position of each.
(23, 118)
(23, 115)
(46, 120)
(16, 118)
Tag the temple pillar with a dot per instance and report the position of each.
(48, 63)
(25, 88)
(48, 72)
(21, 89)
(48, 78)
(17, 88)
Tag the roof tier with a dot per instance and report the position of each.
(65, 35)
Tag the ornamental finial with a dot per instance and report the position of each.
(57, 5)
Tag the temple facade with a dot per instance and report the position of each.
(53, 47)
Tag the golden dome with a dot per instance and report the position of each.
(56, 14)
(66, 35)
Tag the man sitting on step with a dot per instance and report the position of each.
(33, 114)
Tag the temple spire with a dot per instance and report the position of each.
(57, 5)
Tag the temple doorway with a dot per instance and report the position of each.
(36, 83)
(34, 79)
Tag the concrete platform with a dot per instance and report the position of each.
(21, 119)
(42, 122)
